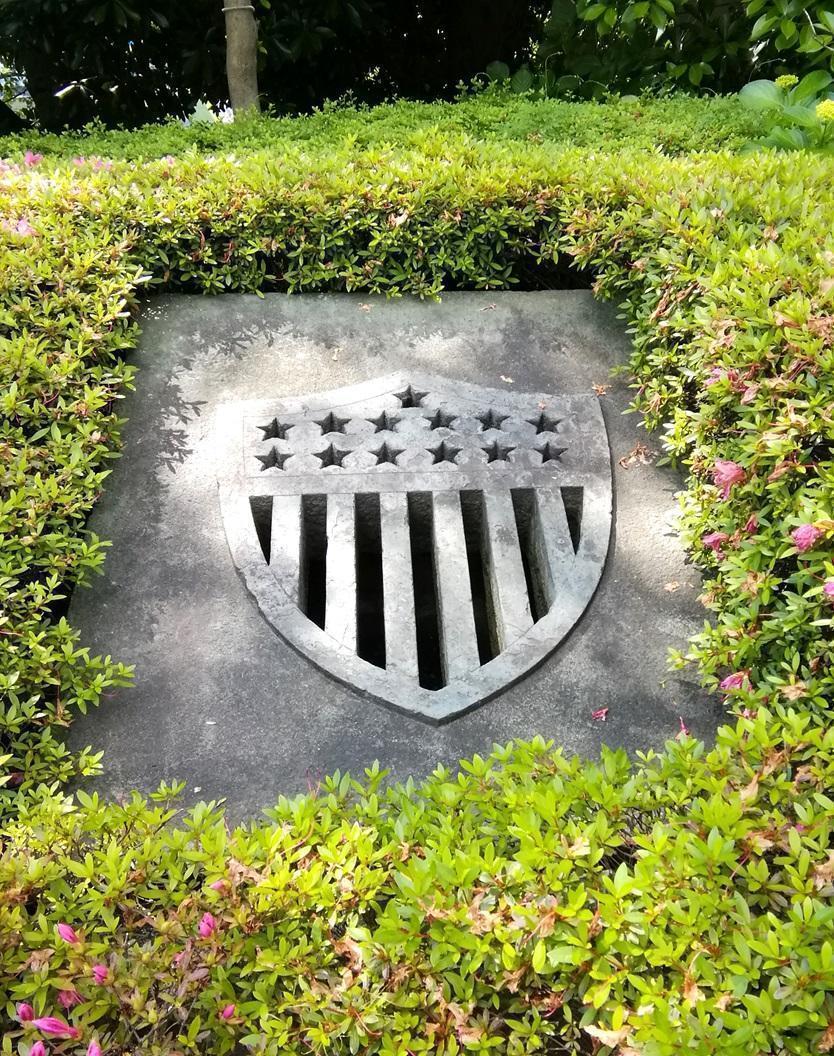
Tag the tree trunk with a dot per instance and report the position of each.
(242, 55)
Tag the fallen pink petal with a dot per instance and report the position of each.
(600, 715)
(684, 729)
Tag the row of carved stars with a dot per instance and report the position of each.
(385, 422)
(387, 453)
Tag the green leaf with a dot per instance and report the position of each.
(761, 95)
(811, 85)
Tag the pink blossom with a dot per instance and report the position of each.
(101, 973)
(94, 1049)
(19, 227)
(31, 159)
(67, 933)
(67, 999)
(715, 375)
(726, 474)
(714, 540)
(828, 589)
(25, 1012)
(218, 885)
(752, 523)
(53, 1025)
(805, 536)
(749, 713)
(207, 926)
(684, 729)
(101, 163)
(227, 1012)
(600, 715)
(38, 1049)
(734, 681)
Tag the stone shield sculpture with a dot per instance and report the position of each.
(424, 541)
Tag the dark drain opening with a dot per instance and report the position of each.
(533, 554)
(477, 555)
(312, 596)
(421, 535)
(261, 506)
(572, 498)
(370, 599)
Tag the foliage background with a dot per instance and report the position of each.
(126, 62)
(681, 902)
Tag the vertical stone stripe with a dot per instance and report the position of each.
(458, 641)
(398, 585)
(340, 613)
(554, 548)
(285, 543)
(505, 569)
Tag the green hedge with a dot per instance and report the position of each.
(675, 903)
(672, 124)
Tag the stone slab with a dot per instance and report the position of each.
(220, 700)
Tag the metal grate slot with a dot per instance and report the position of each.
(478, 558)
(261, 506)
(426, 611)
(312, 593)
(370, 595)
(533, 552)
(573, 500)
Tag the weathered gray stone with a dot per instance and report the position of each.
(449, 447)
(220, 700)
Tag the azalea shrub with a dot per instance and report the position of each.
(679, 901)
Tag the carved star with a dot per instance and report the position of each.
(386, 453)
(497, 452)
(384, 421)
(331, 456)
(332, 423)
(442, 419)
(551, 452)
(492, 419)
(274, 460)
(544, 422)
(276, 430)
(444, 452)
(410, 397)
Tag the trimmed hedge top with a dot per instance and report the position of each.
(680, 903)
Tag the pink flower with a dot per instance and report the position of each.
(227, 1012)
(94, 1049)
(600, 715)
(38, 1049)
(53, 1025)
(67, 933)
(714, 540)
(79, 161)
(101, 163)
(715, 375)
(101, 973)
(67, 999)
(31, 159)
(828, 589)
(725, 475)
(805, 536)
(207, 926)
(734, 681)
(752, 523)
(684, 729)
(25, 1012)
(218, 885)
